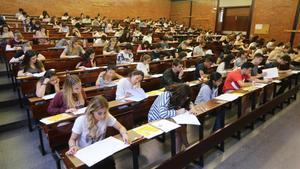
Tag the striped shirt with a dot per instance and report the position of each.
(160, 108)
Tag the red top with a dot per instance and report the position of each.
(231, 82)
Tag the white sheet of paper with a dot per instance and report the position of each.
(227, 97)
(270, 73)
(186, 118)
(91, 68)
(80, 111)
(157, 75)
(258, 26)
(49, 96)
(276, 81)
(189, 69)
(165, 125)
(137, 95)
(72, 56)
(260, 85)
(100, 150)
(39, 74)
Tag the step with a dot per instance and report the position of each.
(12, 115)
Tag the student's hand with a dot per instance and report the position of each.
(71, 110)
(268, 80)
(180, 74)
(72, 150)
(180, 111)
(46, 81)
(125, 138)
(264, 74)
(81, 67)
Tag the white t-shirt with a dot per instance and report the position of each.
(147, 38)
(144, 68)
(124, 85)
(221, 68)
(81, 128)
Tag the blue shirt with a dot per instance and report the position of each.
(206, 93)
(160, 108)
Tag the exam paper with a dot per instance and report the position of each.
(80, 111)
(100, 150)
(186, 118)
(270, 73)
(227, 97)
(165, 125)
(49, 96)
(137, 95)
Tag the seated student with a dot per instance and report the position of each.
(173, 101)
(87, 59)
(276, 53)
(91, 127)
(16, 42)
(70, 98)
(125, 56)
(31, 64)
(164, 42)
(21, 53)
(148, 37)
(156, 53)
(42, 36)
(283, 63)
(128, 83)
(111, 47)
(125, 37)
(203, 68)
(236, 79)
(64, 28)
(6, 33)
(106, 77)
(48, 84)
(174, 74)
(73, 33)
(241, 58)
(137, 35)
(198, 50)
(144, 46)
(65, 16)
(208, 91)
(225, 64)
(44, 15)
(257, 60)
(73, 49)
(98, 33)
(143, 65)
(101, 41)
(183, 47)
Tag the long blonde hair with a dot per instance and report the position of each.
(68, 95)
(98, 102)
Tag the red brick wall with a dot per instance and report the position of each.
(278, 13)
(111, 8)
(204, 14)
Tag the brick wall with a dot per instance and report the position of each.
(278, 13)
(112, 8)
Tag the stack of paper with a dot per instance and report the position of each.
(276, 81)
(49, 96)
(296, 71)
(98, 151)
(80, 111)
(227, 97)
(186, 118)
(137, 95)
(56, 118)
(148, 131)
(165, 125)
